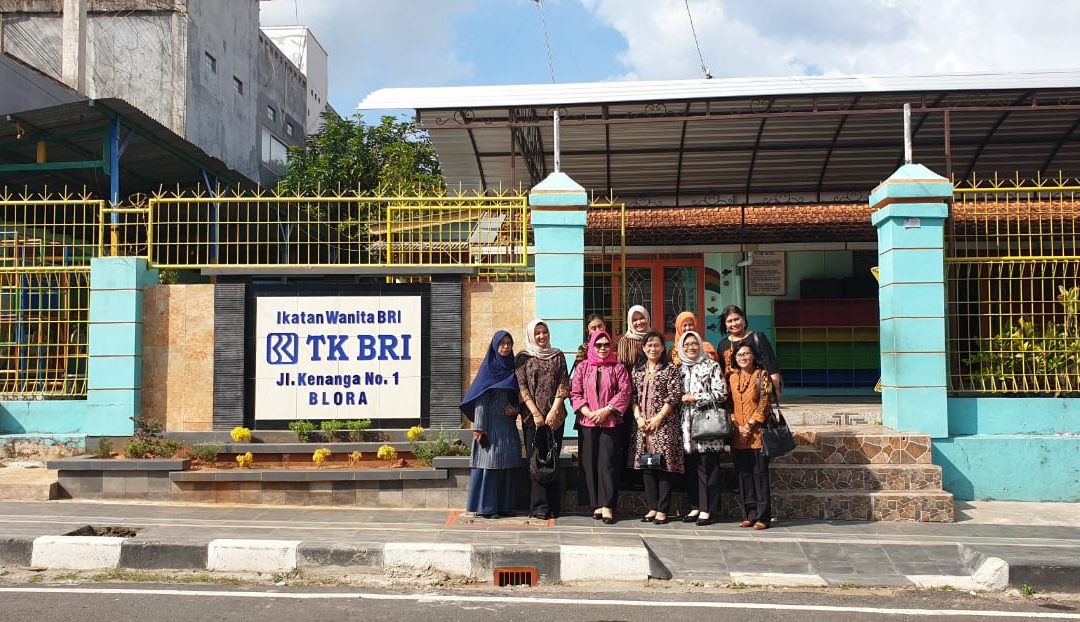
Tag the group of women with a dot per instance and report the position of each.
(635, 405)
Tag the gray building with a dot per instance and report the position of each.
(201, 68)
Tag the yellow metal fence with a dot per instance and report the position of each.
(605, 263)
(1013, 287)
(246, 231)
(46, 243)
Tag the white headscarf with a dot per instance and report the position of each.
(630, 332)
(531, 347)
(702, 355)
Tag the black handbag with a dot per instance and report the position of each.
(776, 437)
(544, 462)
(712, 424)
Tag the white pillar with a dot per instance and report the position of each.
(74, 46)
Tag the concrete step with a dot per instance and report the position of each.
(869, 444)
(932, 506)
(28, 484)
(924, 506)
(872, 477)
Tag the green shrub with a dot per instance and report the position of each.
(357, 429)
(302, 429)
(165, 448)
(330, 428)
(139, 448)
(425, 452)
(104, 448)
(147, 441)
(206, 452)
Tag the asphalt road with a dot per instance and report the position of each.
(169, 603)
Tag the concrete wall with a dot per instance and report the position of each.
(127, 56)
(31, 89)
(219, 119)
(178, 356)
(1019, 449)
(154, 58)
(282, 88)
(299, 44)
(486, 308)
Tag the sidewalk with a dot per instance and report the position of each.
(993, 544)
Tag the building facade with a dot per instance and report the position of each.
(201, 68)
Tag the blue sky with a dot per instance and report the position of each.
(401, 43)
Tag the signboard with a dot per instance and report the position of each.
(767, 276)
(338, 357)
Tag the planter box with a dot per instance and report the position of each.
(107, 478)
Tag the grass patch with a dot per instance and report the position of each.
(738, 586)
(1027, 590)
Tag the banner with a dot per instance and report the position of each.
(338, 357)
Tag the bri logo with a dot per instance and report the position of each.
(282, 348)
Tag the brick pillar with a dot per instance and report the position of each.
(114, 369)
(558, 220)
(911, 208)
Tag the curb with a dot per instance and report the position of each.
(554, 563)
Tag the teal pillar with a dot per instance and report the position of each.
(558, 220)
(910, 211)
(114, 369)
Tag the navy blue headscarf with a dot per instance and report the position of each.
(496, 372)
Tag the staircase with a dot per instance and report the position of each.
(861, 472)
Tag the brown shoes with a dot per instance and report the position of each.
(760, 525)
(746, 523)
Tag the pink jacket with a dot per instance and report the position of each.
(615, 391)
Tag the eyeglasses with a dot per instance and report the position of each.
(603, 346)
(744, 354)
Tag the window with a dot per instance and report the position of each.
(211, 62)
(271, 114)
(238, 84)
(275, 154)
(666, 287)
(289, 129)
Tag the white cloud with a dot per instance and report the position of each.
(793, 37)
(380, 43)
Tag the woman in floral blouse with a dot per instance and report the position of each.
(658, 391)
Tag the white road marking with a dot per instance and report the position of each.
(517, 600)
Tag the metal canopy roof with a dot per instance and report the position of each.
(77, 133)
(740, 141)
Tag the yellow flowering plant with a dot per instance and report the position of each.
(245, 460)
(355, 458)
(387, 453)
(240, 434)
(320, 456)
(415, 433)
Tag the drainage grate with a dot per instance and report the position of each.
(109, 530)
(515, 575)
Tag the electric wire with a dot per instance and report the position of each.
(701, 57)
(547, 39)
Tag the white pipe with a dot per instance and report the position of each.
(907, 134)
(556, 155)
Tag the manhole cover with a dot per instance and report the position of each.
(107, 530)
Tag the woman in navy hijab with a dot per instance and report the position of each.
(491, 403)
